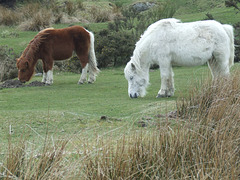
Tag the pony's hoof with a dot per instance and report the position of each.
(49, 83)
(80, 82)
(162, 96)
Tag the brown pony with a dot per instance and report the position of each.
(59, 44)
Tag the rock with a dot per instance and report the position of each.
(143, 6)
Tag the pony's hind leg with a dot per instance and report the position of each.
(92, 76)
(83, 77)
(87, 68)
(167, 82)
(219, 67)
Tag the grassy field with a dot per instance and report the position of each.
(68, 108)
(104, 128)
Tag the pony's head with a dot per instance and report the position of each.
(137, 82)
(25, 71)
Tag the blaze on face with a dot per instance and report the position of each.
(136, 83)
(24, 71)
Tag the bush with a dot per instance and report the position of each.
(8, 17)
(115, 45)
(8, 3)
(113, 48)
(235, 4)
(237, 42)
(38, 21)
(8, 69)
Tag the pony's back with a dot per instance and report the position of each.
(158, 25)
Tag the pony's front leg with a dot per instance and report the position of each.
(83, 77)
(47, 72)
(167, 83)
(44, 79)
(49, 78)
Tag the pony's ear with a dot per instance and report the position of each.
(133, 67)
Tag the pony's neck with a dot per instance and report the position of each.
(31, 54)
(141, 64)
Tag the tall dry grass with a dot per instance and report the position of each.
(23, 163)
(201, 143)
(8, 17)
(37, 15)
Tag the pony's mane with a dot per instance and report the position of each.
(153, 27)
(34, 44)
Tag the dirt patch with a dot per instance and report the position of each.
(17, 84)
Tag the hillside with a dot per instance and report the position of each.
(197, 10)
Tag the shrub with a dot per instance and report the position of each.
(100, 15)
(113, 48)
(115, 45)
(235, 4)
(70, 8)
(8, 69)
(39, 21)
(215, 100)
(8, 17)
(237, 42)
(8, 3)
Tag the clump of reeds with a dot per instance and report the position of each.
(8, 17)
(39, 20)
(212, 99)
(202, 144)
(21, 163)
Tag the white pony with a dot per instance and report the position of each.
(169, 42)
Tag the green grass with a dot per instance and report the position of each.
(67, 108)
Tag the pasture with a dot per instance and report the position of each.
(96, 131)
(68, 109)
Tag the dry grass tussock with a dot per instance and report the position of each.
(8, 17)
(201, 143)
(37, 16)
(7, 64)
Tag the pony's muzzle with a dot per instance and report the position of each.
(134, 96)
(22, 81)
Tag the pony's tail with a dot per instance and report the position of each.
(230, 33)
(92, 61)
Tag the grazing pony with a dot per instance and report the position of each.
(169, 42)
(59, 44)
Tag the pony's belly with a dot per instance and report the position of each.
(62, 56)
(192, 60)
(192, 57)
(196, 61)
